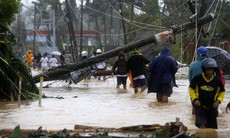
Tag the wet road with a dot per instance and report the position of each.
(98, 103)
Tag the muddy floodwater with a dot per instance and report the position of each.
(99, 103)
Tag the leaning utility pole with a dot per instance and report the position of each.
(162, 37)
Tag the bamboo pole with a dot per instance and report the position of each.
(40, 91)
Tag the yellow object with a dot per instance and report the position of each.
(29, 58)
(207, 133)
(194, 93)
(41, 78)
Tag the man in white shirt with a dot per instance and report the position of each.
(53, 62)
(44, 62)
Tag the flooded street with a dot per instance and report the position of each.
(98, 103)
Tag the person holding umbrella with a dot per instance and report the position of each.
(53, 62)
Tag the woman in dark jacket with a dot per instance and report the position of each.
(121, 68)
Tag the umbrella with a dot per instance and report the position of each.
(221, 56)
(57, 53)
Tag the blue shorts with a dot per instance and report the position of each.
(139, 83)
(121, 80)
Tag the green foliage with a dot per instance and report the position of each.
(175, 51)
(223, 26)
(8, 9)
(11, 68)
(17, 133)
(160, 133)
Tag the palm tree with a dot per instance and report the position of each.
(12, 69)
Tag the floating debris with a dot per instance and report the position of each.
(57, 97)
(169, 130)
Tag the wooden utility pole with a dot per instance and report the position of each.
(73, 42)
(158, 38)
(123, 22)
(34, 42)
(54, 29)
(81, 34)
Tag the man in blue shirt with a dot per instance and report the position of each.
(195, 66)
(206, 92)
